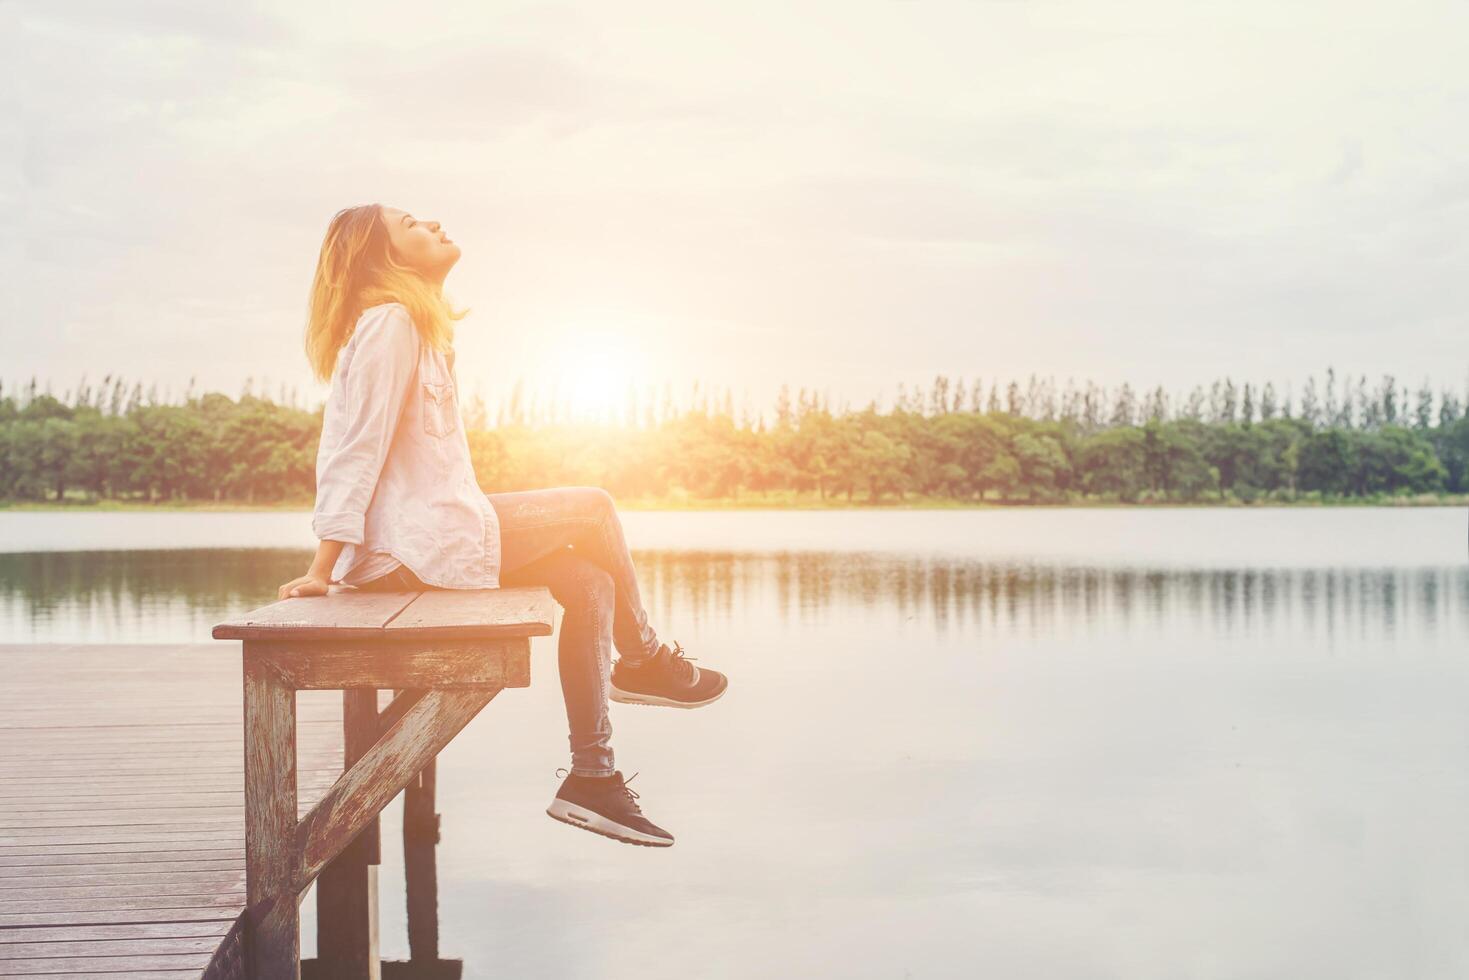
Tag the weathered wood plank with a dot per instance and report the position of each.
(113, 964)
(399, 663)
(446, 613)
(65, 863)
(227, 912)
(478, 613)
(132, 974)
(59, 799)
(197, 817)
(106, 947)
(58, 873)
(341, 613)
(68, 836)
(205, 882)
(140, 930)
(130, 903)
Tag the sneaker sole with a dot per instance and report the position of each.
(580, 816)
(615, 693)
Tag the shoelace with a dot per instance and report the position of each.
(680, 662)
(632, 794)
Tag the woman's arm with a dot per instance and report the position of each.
(318, 577)
(384, 363)
(383, 366)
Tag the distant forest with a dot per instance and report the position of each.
(1340, 439)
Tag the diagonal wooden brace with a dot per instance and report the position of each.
(403, 749)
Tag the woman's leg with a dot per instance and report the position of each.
(584, 650)
(534, 523)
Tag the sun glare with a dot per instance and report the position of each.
(593, 375)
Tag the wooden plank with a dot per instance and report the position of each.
(132, 974)
(128, 903)
(127, 851)
(174, 884)
(99, 964)
(402, 751)
(106, 947)
(110, 914)
(62, 863)
(57, 872)
(142, 930)
(340, 613)
(68, 836)
(60, 798)
(401, 663)
(478, 614)
(18, 824)
(447, 613)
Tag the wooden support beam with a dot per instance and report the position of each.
(420, 867)
(400, 754)
(346, 892)
(321, 665)
(272, 913)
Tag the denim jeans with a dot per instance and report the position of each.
(570, 540)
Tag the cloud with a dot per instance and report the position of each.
(1144, 192)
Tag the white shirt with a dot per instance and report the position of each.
(394, 480)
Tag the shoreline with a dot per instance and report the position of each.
(689, 504)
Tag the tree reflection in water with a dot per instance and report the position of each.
(174, 596)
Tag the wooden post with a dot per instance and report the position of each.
(420, 869)
(272, 912)
(346, 892)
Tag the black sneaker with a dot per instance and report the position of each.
(604, 805)
(666, 678)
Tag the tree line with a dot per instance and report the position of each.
(1013, 442)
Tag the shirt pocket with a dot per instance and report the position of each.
(440, 413)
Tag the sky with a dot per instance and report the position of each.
(843, 196)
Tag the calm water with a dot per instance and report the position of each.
(1038, 744)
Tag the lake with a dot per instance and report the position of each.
(1130, 743)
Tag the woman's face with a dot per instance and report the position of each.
(420, 245)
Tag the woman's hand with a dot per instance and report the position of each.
(307, 584)
(318, 576)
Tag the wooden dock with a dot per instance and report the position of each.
(122, 829)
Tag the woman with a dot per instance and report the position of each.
(398, 508)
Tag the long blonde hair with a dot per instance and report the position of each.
(356, 270)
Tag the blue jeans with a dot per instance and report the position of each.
(570, 540)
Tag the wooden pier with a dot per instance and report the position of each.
(125, 802)
(122, 843)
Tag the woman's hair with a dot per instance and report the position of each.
(356, 270)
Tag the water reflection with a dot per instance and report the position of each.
(139, 596)
(951, 595)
